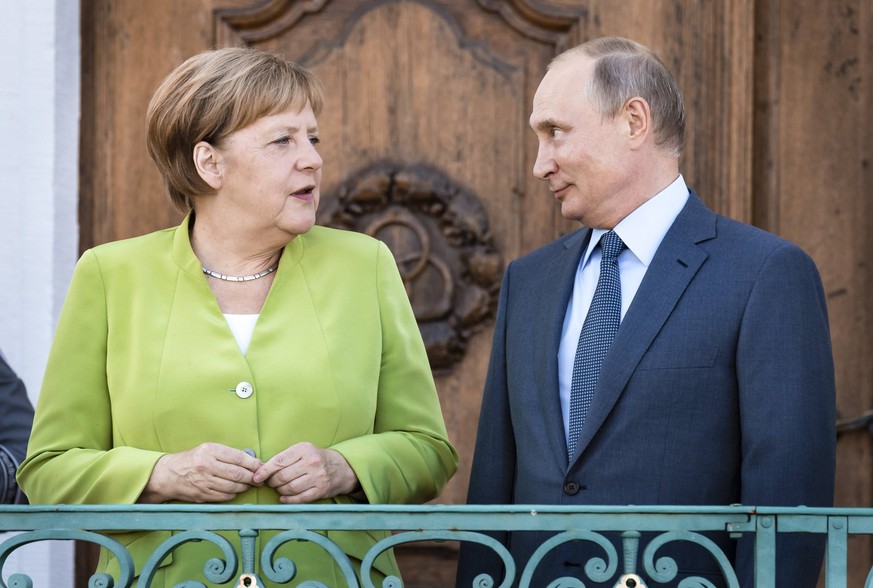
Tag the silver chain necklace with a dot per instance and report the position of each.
(226, 278)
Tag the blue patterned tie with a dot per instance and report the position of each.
(597, 334)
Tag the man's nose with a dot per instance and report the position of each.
(545, 164)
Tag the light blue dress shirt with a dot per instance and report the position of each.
(642, 232)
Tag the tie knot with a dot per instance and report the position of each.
(611, 245)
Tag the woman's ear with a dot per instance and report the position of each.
(206, 160)
(639, 119)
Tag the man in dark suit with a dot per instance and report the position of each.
(716, 387)
(16, 418)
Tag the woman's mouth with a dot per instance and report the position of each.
(307, 193)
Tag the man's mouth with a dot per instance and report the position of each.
(559, 192)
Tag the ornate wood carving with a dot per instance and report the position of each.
(272, 17)
(549, 25)
(439, 235)
(264, 21)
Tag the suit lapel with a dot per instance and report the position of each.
(674, 266)
(560, 270)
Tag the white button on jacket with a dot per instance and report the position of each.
(244, 389)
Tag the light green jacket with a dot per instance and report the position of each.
(143, 364)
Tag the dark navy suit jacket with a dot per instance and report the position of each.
(718, 389)
(16, 418)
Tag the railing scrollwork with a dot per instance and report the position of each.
(283, 570)
(96, 581)
(216, 570)
(613, 534)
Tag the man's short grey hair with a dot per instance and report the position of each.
(624, 69)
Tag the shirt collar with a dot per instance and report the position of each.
(643, 230)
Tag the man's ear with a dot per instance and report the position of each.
(639, 120)
(206, 160)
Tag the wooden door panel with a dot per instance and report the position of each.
(813, 176)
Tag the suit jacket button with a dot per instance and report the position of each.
(244, 390)
(571, 488)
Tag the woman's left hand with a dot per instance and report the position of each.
(304, 473)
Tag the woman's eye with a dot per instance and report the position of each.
(283, 140)
(314, 140)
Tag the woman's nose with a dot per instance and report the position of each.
(310, 158)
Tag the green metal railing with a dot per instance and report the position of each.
(412, 524)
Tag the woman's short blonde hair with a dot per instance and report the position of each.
(210, 96)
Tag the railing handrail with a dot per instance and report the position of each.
(393, 516)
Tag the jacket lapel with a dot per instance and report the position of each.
(562, 271)
(674, 266)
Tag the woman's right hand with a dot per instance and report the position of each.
(208, 473)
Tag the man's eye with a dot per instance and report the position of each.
(314, 140)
